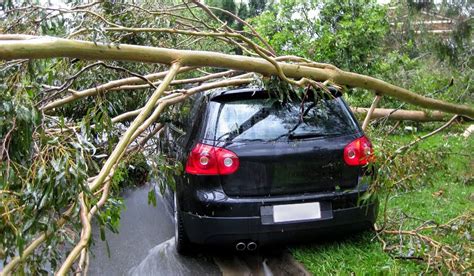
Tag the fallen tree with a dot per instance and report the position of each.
(400, 114)
(90, 192)
(47, 47)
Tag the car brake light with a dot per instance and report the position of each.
(208, 160)
(359, 152)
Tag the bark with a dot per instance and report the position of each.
(371, 111)
(48, 47)
(86, 232)
(410, 115)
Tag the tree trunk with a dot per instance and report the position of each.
(411, 115)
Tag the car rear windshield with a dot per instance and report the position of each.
(269, 120)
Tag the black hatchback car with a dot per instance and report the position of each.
(259, 171)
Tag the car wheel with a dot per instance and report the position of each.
(183, 246)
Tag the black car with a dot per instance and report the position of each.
(258, 170)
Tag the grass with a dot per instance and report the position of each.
(441, 189)
(361, 255)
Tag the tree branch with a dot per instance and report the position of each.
(125, 140)
(104, 88)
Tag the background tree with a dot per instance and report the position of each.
(256, 7)
(389, 42)
(228, 5)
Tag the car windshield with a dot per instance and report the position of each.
(270, 120)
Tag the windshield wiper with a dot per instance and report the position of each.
(251, 140)
(293, 136)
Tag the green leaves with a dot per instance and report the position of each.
(133, 171)
(18, 118)
(152, 196)
(165, 168)
(42, 172)
(348, 34)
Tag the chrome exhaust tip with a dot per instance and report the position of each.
(251, 246)
(240, 246)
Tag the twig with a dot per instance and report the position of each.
(69, 81)
(254, 32)
(414, 142)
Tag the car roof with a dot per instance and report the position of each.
(245, 90)
(226, 92)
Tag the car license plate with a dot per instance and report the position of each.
(295, 212)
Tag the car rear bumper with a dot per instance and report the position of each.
(222, 230)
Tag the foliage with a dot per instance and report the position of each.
(355, 35)
(427, 76)
(435, 65)
(165, 169)
(42, 184)
(135, 171)
(18, 118)
(41, 172)
(109, 217)
(256, 7)
(348, 34)
(413, 36)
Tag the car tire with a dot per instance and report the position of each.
(183, 246)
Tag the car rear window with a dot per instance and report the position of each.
(269, 120)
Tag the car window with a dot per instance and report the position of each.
(268, 119)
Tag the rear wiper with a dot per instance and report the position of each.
(293, 136)
(251, 140)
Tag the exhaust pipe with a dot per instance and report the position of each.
(240, 246)
(251, 246)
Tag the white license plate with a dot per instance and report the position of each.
(295, 212)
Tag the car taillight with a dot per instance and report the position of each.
(209, 160)
(359, 152)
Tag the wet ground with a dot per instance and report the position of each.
(145, 246)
